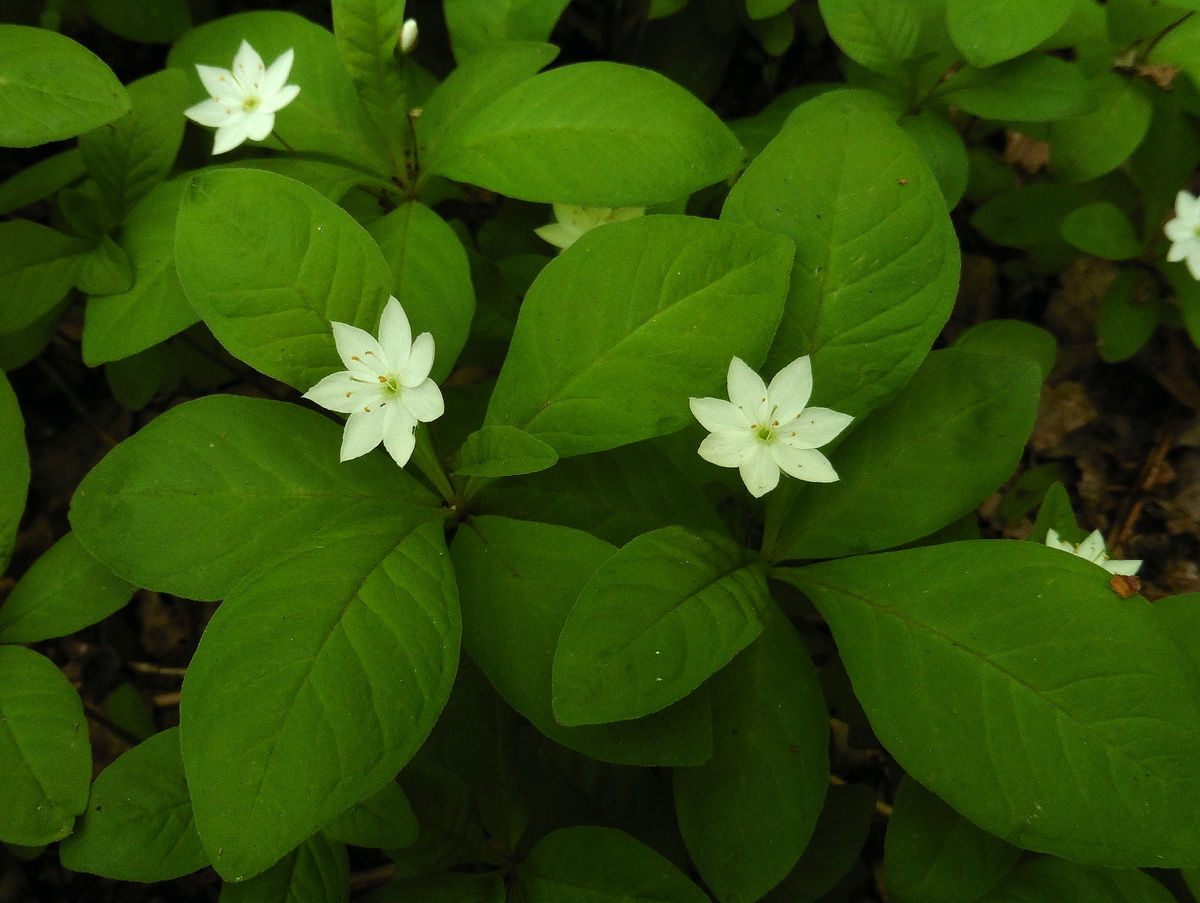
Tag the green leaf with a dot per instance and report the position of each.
(14, 469)
(934, 855)
(327, 117)
(383, 820)
(212, 489)
(1166, 157)
(905, 471)
(653, 623)
(66, 590)
(518, 581)
(268, 263)
(44, 751)
(282, 721)
(431, 278)
(104, 270)
(748, 812)
(1129, 314)
(41, 180)
(598, 134)
(988, 32)
(1050, 880)
(155, 307)
(138, 824)
(1056, 513)
(134, 381)
(476, 26)
(597, 865)
(1048, 711)
(1033, 88)
(52, 88)
(878, 34)
(503, 451)
(942, 148)
(37, 269)
(315, 872)
(1011, 338)
(1086, 147)
(606, 354)
(134, 153)
(877, 261)
(1028, 215)
(153, 21)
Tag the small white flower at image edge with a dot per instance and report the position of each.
(408, 36)
(573, 221)
(243, 100)
(765, 430)
(385, 387)
(1093, 550)
(1184, 232)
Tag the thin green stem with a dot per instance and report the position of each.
(1149, 48)
(278, 137)
(428, 462)
(777, 504)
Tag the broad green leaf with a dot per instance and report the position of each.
(315, 682)
(599, 134)
(1033, 88)
(65, 590)
(52, 88)
(988, 32)
(431, 278)
(37, 269)
(606, 354)
(41, 180)
(748, 812)
(653, 623)
(451, 830)
(1101, 229)
(1051, 880)
(14, 469)
(934, 855)
(1049, 711)
(268, 263)
(1166, 157)
(317, 871)
(614, 495)
(503, 451)
(44, 751)
(1011, 338)
(951, 437)
(598, 865)
(154, 21)
(1129, 314)
(384, 819)
(155, 308)
(775, 34)
(1086, 147)
(518, 581)
(476, 26)
(134, 381)
(878, 34)
(942, 148)
(446, 887)
(134, 153)
(212, 489)
(104, 270)
(138, 824)
(876, 268)
(126, 708)
(326, 117)
(18, 348)
(1056, 513)
(1028, 215)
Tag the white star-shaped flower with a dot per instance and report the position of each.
(385, 387)
(1094, 551)
(245, 100)
(1184, 232)
(763, 429)
(574, 221)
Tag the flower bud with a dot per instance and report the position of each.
(408, 35)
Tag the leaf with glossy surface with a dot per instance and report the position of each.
(14, 469)
(1086, 147)
(1049, 711)
(988, 32)
(1051, 880)
(41, 180)
(503, 451)
(1034, 88)
(317, 871)
(478, 25)
(618, 331)
(877, 260)
(878, 34)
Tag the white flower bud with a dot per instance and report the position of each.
(408, 35)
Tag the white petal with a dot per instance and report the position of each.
(1126, 568)
(759, 471)
(424, 401)
(359, 351)
(1053, 541)
(813, 428)
(1179, 229)
(395, 336)
(211, 113)
(746, 388)
(791, 389)
(1092, 547)
(277, 102)
(259, 125)
(364, 431)
(248, 68)
(342, 393)
(1178, 251)
(276, 76)
(717, 414)
(1185, 204)
(420, 361)
(231, 134)
(727, 448)
(1193, 261)
(621, 214)
(804, 464)
(399, 434)
(559, 235)
(219, 83)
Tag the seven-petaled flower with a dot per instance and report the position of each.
(1094, 551)
(574, 221)
(244, 101)
(763, 429)
(385, 387)
(1184, 232)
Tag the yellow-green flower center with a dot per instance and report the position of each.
(250, 104)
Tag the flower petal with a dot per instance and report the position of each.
(791, 389)
(1193, 261)
(359, 351)
(759, 471)
(622, 214)
(276, 75)
(813, 428)
(399, 436)
(727, 448)
(804, 464)
(1185, 204)
(248, 68)
(364, 431)
(717, 414)
(276, 102)
(424, 401)
(1126, 568)
(1177, 252)
(259, 125)
(1179, 229)
(1092, 547)
(558, 234)
(230, 135)
(212, 113)
(343, 393)
(746, 388)
(219, 83)
(395, 336)
(420, 361)
(1054, 542)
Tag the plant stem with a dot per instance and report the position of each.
(427, 461)
(278, 137)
